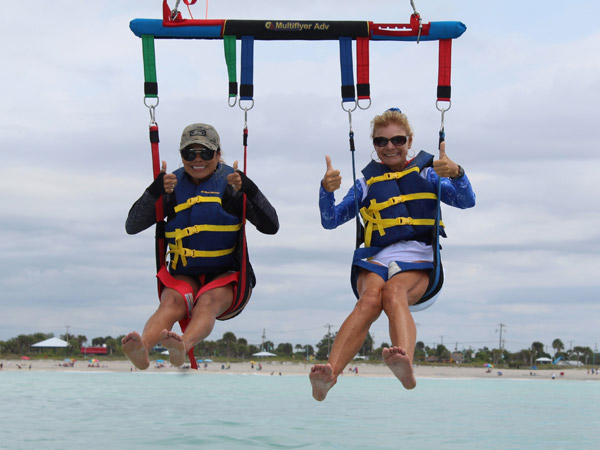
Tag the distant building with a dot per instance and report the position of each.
(93, 350)
(458, 357)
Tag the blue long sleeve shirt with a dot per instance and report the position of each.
(457, 193)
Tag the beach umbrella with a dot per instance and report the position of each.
(25, 357)
(491, 366)
(160, 360)
(208, 360)
(94, 360)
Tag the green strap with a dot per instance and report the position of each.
(150, 85)
(230, 58)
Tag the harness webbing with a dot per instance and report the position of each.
(247, 73)
(150, 84)
(363, 88)
(348, 90)
(444, 70)
(229, 43)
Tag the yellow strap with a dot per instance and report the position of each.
(391, 176)
(382, 224)
(179, 233)
(179, 251)
(374, 206)
(195, 200)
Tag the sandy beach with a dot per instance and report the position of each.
(269, 368)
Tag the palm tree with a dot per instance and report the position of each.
(558, 346)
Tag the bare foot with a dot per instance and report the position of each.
(322, 379)
(174, 343)
(134, 349)
(400, 365)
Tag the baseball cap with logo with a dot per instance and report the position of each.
(200, 133)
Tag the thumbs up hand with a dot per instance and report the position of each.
(444, 166)
(332, 179)
(169, 179)
(235, 179)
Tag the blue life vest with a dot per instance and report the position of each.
(202, 236)
(399, 206)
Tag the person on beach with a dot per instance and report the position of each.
(396, 275)
(203, 203)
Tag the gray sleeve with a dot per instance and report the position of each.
(142, 214)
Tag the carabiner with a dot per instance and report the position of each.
(350, 110)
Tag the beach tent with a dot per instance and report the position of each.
(52, 343)
(543, 359)
(263, 353)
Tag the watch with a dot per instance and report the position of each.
(461, 172)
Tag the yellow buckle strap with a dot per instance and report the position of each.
(374, 206)
(391, 176)
(184, 253)
(179, 233)
(195, 200)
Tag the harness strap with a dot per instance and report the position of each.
(150, 84)
(363, 87)
(392, 176)
(230, 59)
(374, 206)
(348, 91)
(247, 71)
(195, 200)
(444, 70)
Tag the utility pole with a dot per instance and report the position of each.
(500, 341)
(67, 335)
(264, 336)
(328, 326)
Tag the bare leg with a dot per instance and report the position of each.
(351, 336)
(170, 309)
(399, 292)
(208, 307)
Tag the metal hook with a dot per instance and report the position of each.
(245, 108)
(443, 111)
(350, 110)
(366, 107)
(235, 99)
(416, 13)
(152, 110)
(175, 11)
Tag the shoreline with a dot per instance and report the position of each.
(300, 369)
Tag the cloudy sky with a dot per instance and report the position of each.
(523, 124)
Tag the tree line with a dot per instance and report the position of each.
(232, 347)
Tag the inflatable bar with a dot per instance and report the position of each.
(294, 30)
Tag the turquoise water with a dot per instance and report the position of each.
(66, 410)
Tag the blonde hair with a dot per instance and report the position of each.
(391, 117)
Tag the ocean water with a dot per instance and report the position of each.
(71, 410)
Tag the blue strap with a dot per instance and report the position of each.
(247, 71)
(348, 90)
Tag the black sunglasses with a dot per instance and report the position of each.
(396, 140)
(189, 154)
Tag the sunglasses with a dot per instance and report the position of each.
(396, 140)
(189, 154)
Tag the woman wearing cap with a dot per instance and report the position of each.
(204, 208)
(395, 276)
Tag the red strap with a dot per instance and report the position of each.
(445, 66)
(362, 68)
